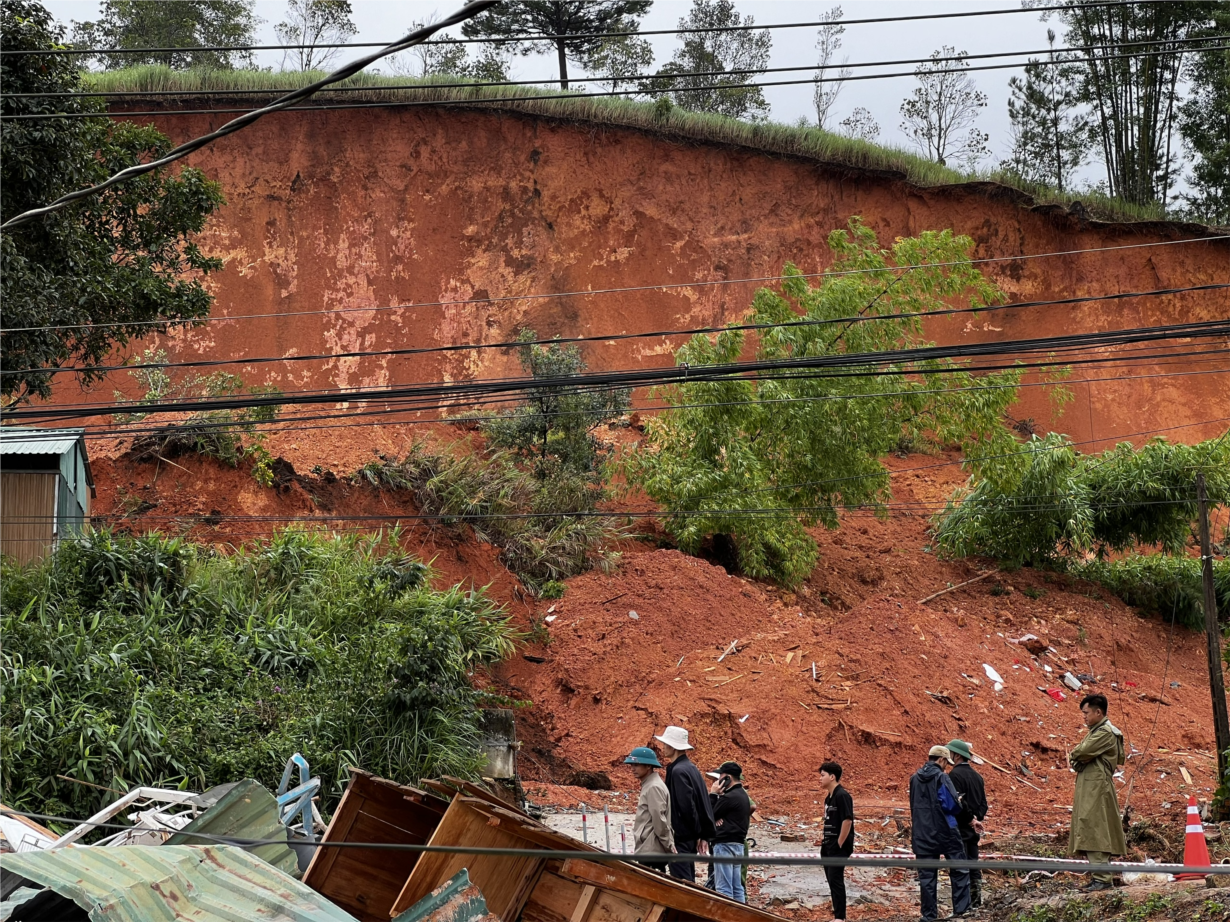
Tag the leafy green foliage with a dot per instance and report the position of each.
(575, 25)
(312, 23)
(1204, 121)
(186, 24)
(131, 661)
(1161, 584)
(756, 461)
(1050, 502)
(554, 427)
(532, 519)
(711, 53)
(124, 260)
(230, 435)
(938, 116)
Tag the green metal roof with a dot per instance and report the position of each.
(174, 883)
(246, 812)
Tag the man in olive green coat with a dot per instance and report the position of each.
(1097, 829)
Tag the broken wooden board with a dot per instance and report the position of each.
(365, 882)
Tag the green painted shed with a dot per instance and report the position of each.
(45, 489)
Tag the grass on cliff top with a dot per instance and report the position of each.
(678, 123)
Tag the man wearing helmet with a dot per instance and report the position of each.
(651, 829)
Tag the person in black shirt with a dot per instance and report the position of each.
(837, 840)
(691, 812)
(974, 808)
(732, 815)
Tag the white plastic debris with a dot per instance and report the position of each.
(550, 618)
(1071, 681)
(634, 616)
(994, 676)
(744, 717)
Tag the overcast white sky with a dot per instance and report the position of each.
(384, 20)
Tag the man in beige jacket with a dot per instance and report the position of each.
(651, 829)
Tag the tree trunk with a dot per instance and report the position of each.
(563, 65)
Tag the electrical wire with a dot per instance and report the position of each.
(680, 374)
(612, 338)
(669, 286)
(469, 84)
(543, 96)
(587, 36)
(471, 8)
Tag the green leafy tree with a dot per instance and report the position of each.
(313, 23)
(617, 60)
(1050, 132)
(939, 115)
(1049, 502)
(171, 24)
(582, 21)
(712, 53)
(1204, 120)
(445, 56)
(555, 426)
(751, 463)
(1134, 97)
(828, 43)
(119, 265)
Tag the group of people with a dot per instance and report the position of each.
(680, 814)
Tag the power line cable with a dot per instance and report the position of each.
(471, 8)
(469, 84)
(668, 286)
(465, 347)
(681, 374)
(587, 35)
(544, 97)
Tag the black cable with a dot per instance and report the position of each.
(554, 38)
(464, 347)
(543, 96)
(623, 290)
(471, 8)
(469, 84)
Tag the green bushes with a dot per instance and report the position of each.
(1161, 584)
(153, 661)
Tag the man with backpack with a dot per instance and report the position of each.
(934, 807)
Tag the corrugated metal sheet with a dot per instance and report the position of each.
(246, 811)
(175, 883)
(38, 441)
(459, 900)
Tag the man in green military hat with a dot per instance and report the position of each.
(651, 827)
(1097, 829)
(973, 797)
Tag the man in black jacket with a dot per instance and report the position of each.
(974, 808)
(732, 815)
(691, 812)
(934, 806)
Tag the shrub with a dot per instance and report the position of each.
(152, 661)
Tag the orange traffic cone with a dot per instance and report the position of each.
(1195, 849)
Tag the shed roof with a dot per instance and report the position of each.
(174, 883)
(38, 441)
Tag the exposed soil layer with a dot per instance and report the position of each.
(437, 209)
(892, 676)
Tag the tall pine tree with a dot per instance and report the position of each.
(1050, 132)
(576, 27)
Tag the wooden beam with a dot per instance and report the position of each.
(584, 904)
(631, 881)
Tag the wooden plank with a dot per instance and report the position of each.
(27, 508)
(584, 904)
(553, 898)
(609, 907)
(631, 881)
(501, 879)
(655, 913)
(366, 882)
(473, 790)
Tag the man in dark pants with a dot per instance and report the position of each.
(973, 794)
(732, 814)
(691, 813)
(837, 840)
(933, 830)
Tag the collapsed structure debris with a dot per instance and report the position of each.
(188, 871)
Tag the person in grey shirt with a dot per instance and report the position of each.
(651, 828)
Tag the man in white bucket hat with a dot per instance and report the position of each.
(691, 813)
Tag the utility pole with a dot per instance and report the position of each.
(1217, 685)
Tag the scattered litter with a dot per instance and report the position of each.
(1054, 693)
(729, 650)
(1187, 776)
(942, 698)
(1175, 685)
(634, 616)
(1087, 678)
(1133, 876)
(1130, 684)
(551, 609)
(1071, 681)
(1031, 642)
(994, 676)
(744, 718)
(550, 618)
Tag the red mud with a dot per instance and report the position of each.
(610, 681)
